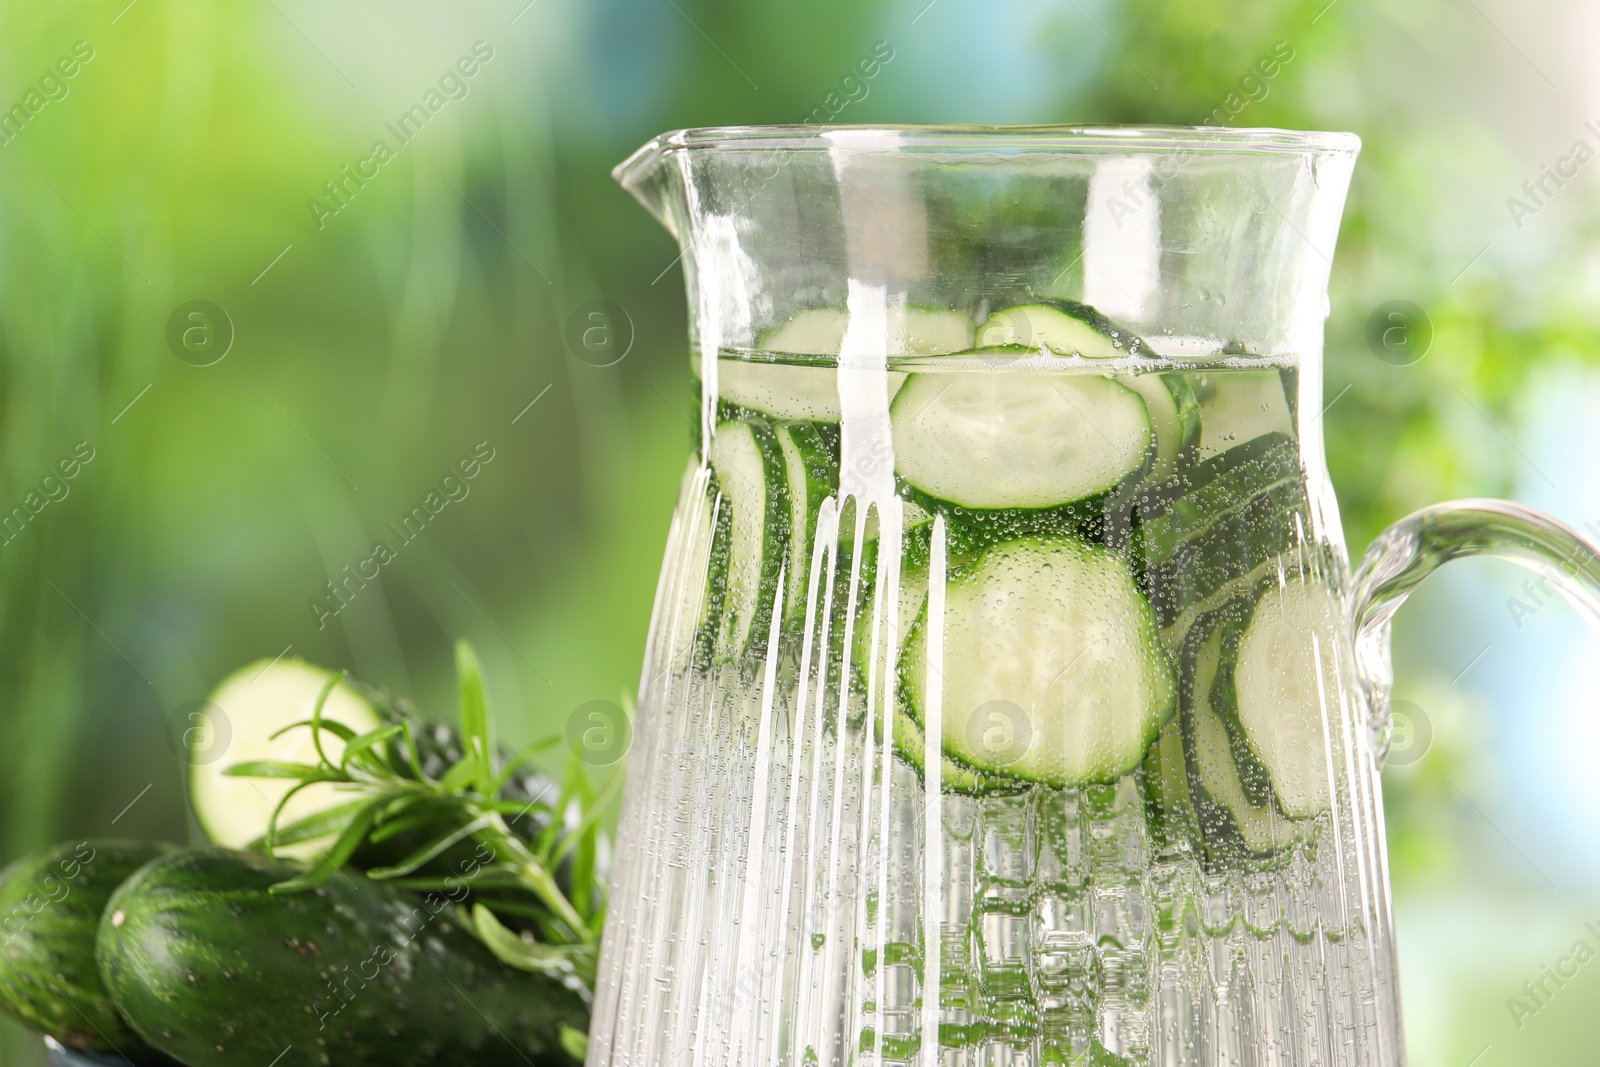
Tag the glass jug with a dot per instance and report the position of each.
(1008, 697)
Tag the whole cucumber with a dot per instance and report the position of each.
(50, 905)
(214, 970)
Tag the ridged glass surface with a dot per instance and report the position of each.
(804, 876)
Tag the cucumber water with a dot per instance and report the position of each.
(1033, 621)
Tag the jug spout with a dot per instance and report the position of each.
(641, 174)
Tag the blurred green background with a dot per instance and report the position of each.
(374, 347)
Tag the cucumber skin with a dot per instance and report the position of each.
(1091, 318)
(1268, 526)
(774, 545)
(1187, 504)
(215, 971)
(48, 978)
(1222, 843)
(1254, 778)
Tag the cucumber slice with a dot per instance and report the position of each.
(1264, 527)
(910, 741)
(1284, 684)
(1064, 327)
(256, 702)
(1220, 795)
(1018, 440)
(750, 475)
(790, 392)
(697, 566)
(912, 594)
(1237, 406)
(1174, 417)
(1184, 508)
(811, 332)
(1052, 669)
(929, 331)
(811, 468)
(911, 745)
(1222, 519)
(1169, 811)
(912, 515)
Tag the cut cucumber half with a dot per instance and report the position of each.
(1052, 668)
(236, 726)
(1064, 327)
(1285, 689)
(1237, 406)
(791, 392)
(749, 466)
(1220, 795)
(986, 441)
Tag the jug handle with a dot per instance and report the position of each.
(1403, 555)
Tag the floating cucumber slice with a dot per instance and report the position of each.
(811, 332)
(1052, 670)
(1064, 327)
(1219, 793)
(791, 392)
(750, 474)
(981, 440)
(925, 331)
(1237, 406)
(1285, 689)
(237, 724)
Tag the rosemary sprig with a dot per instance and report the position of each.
(392, 795)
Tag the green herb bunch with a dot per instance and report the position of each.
(515, 875)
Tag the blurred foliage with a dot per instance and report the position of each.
(374, 352)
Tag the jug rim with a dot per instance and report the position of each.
(1089, 138)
